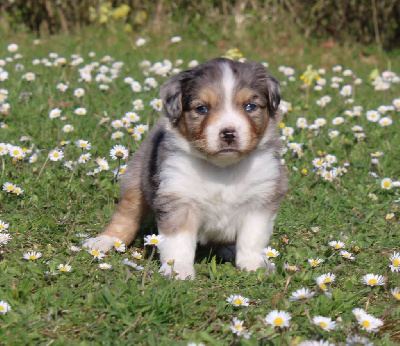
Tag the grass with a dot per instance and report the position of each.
(89, 305)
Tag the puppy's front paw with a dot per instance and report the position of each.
(178, 271)
(250, 263)
(101, 243)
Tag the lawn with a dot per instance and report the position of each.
(342, 139)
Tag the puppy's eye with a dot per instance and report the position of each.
(201, 109)
(250, 107)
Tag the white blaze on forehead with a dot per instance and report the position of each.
(228, 117)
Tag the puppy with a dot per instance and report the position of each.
(209, 168)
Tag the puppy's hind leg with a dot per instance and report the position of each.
(125, 221)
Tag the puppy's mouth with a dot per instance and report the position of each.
(228, 152)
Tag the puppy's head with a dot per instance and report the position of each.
(222, 107)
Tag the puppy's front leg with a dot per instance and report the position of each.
(179, 245)
(253, 237)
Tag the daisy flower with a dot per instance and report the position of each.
(4, 238)
(104, 266)
(97, 254)
(373, 280)
(302, 293)
(373, 196)
(8, 187)
(67, 128)
(315, 262)
(119, 152)
(278, 318)
(153, 239)
(79, 92)
(238, 328)
(119, 245)
(136, 87)
(325, 278)
(3, 226)
(12, 47)
(74, 248)
(16, 152)
(55, 113)
(176, 39)
(396, 292)
(270, 252)
(346, 255)
(237, 300)
(18, 191)
(80, 111)
(386, 183)
(84, 158)
(4, 307)
(291, 269)
(369, 322)
(389, 216)
(132, 264)
(373, 116)
(33, 255)
(386, 121)
(395, 259)
(56, 155)
(64, 267)
(117, 134)
(337, 244)
(325, 323)
(80, 143)
(62, 87)
(137, 255)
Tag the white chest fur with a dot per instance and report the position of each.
(221, 196)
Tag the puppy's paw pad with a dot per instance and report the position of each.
(101, 243)
(178, 271)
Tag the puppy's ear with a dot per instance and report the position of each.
(171, 96)
(274, 94)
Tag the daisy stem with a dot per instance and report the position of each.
(286, 285)
(73, 173)
(369, 298)
(294, 186)
(387, 139)
(3, 166)
(41, 170)
(147, 267)
(116, 176)
(387, 311)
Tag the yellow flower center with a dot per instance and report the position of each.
(117, 244)
(372, 282)
(238, 301)
(314, 263)
(270, 254)
(327, 280)
(15, 152)
(56, 154)
(1, 307)
(154, 241)
(238, 327)
(322, 287)
(366, 324)
(95, 252)
(64, 269)
(337, 246)
(396, 262)
(10, 188)
(386, 184)
(397, 296)
(278, 321)
(323, 325)
(83, 145)
(32, 257)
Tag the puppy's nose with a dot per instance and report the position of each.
(228, 135)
